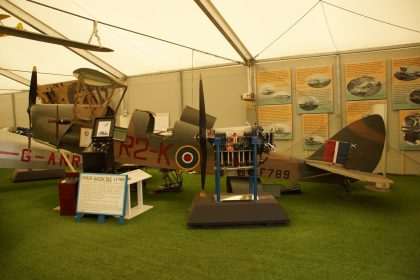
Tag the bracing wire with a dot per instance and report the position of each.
(328, 26)
(329, 30)
(287, 30)
(43, 73)
(371, 18)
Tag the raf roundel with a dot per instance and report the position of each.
(187, 157)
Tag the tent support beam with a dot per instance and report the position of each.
(14, 77)
(45, 29)
(213, 14)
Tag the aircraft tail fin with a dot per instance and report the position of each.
(357, 146)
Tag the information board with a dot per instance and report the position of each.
(102, 194)
(314, 89)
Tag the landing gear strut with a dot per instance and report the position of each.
(173, 181)
(346, 184)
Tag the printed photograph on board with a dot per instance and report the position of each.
(365, 80)
(409, 130)
(274, 87)
(314, 90)
(315, 131)
(406, 83)
(277, 119)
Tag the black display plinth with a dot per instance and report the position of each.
(207, 212)
(98, 157)
(98, 161)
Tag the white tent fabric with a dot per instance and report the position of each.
(269, 29)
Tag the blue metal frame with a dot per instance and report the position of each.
(217, 142)
(252, 179)
(254, 174)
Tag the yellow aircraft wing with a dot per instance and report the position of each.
(356, 174)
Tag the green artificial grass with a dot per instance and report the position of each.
(332, 235)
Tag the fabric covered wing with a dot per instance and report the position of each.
(356, 174)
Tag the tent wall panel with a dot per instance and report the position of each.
(156, 93)
(222, 91)
(21, 106)
(6, 117)
(162, 93)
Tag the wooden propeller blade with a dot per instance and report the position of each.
(51, 39)
(202, 133)
(33, 91)
(33, 88)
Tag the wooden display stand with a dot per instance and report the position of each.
(136, 176)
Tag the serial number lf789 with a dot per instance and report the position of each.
(274, 173)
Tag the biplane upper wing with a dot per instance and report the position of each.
(356, 174)
(4, 30)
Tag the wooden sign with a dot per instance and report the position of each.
(101, 194)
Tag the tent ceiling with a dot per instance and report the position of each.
(324, 28)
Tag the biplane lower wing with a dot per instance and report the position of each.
(351, 173)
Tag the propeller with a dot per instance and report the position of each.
(202, 137)
(33, 90)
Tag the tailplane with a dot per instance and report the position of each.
(357, 146)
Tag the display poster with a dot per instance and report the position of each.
(85, 137)
(102, 194)
(366, 80)
(359, 109)
(406, 83)
(104, 129)
(277, 119)
(409, 130)
(314, 88)
(274, 87)
(315, 131)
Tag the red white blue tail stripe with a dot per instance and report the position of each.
(336, 151)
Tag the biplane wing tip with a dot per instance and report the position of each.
(4, 16)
